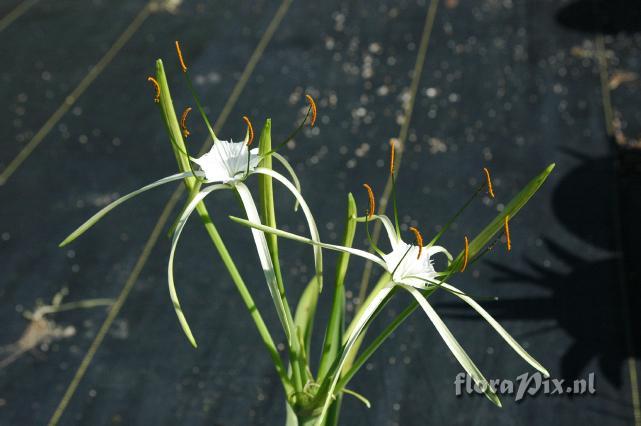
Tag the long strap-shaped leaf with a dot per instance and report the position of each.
(457, 350)
(510, 210)
(96, 217)
(294, 237)
(191, 206)
(311, 223)
(499, 329)
(353, 337)
(265, 260)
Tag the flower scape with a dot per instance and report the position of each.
(313, 398)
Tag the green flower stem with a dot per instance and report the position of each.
(173, 128)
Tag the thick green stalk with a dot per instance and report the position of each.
(336, 323)
(178, 145)
(268, 217)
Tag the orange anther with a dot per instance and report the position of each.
(180, 57)
(465, 254)
(372, 203)
(183, 122)
(391, 156)
(312, 105)
(419, 240)
(507, 232)
(250, 129)
(156, 87)
(490, 190)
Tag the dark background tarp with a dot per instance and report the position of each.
(512, 85)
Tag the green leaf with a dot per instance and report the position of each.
(512, 208)
(336, 323)
(305, 311)
(368, 313)
(171, 122)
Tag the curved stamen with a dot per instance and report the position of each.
(311, 110)
(392, 159)
(180, 57)
(372, 203)
(250, 130)
(419, 240)
(490, 190)
(312, 105)
(156, 88)
(507, 232)
(466, 254)
(391, 170)
(249, 138)
(183, 122)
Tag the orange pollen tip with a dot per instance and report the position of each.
(507, 232)
(250, 129)
(419, 240)
(156, 87)
(180, 57)
(372, 203)
(490, 190)
(183, 122)
(466, 254)
(392, 154)
(312, 105)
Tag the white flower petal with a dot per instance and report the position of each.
(389, 228)
(96, 217)
(294, 237)
(502, 332)
(291, 172)
(170, 265)
(459, 353)
(311, 223)
(227, 161)
(264, 256)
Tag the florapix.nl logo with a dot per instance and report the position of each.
(526, 385)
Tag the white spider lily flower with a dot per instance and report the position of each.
(227, 162)
(411, 269)
(226, 166)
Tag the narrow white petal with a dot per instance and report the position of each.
(311, 223)
(264, 256)
(96, 217)
(502, 332)
(431, 251)
(294, 237)
(459, 353)
(360, 325)
(291, 172)
(170, 266)
(389, 228)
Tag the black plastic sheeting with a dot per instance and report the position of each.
(510, 85)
